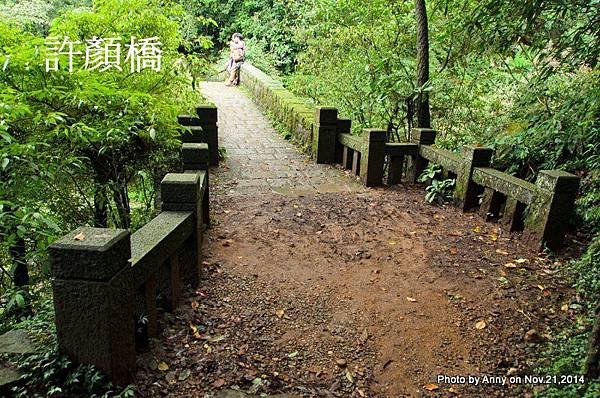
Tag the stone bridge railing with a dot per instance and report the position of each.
(109, 284)
(542, 210)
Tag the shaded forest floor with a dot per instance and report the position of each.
(315, 286)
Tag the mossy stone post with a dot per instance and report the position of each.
(325, 134)
(208, 120)
(94, 299)
(372, 159)
(513, 214)
(196, 157)
(491, 204)
(344, 126)
(356, 162)
(466, 192)
(417, 164)
(552, 209)
(184, 192)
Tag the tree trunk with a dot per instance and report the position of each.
(20, 272)
(100, 206)
(423, 117)
(121, 199)
(592, 364)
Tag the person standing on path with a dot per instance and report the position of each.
(237, 53)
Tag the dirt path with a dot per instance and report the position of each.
(315, 286)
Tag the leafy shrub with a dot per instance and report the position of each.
(50, 374)
(438, 191)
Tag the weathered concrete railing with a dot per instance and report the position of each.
(203, 129)
(542, 209)
(108, 283)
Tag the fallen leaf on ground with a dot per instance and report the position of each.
(430, 387)
(79, 236)
(510, 265)
(163, 366)
(216, 339)
(521, 260)
(453, 250)
(499, 251)
(349, 376)
(477, 229)
(218, 383)
(412, 300)
(184, 374)
(392, 242)
(194, 304)
(364, 337)
(480, 325)
(280, 313)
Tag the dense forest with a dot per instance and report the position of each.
(86, 148)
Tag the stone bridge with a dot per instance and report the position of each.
(298, 245)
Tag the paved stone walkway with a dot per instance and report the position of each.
(258, 159)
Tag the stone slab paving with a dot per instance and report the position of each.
(258, 159)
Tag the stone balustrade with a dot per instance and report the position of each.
(542, 210)
(109, 284)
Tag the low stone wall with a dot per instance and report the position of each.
(108, 283)
(295, 114)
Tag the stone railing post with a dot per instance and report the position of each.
(196, 157)
(552, 209)
(417, 164)
(344, 126)
(184, 192)
(208, 120)
(372, 159)
(466, 191)
(325, 134)
(94, 298)
(203, 129)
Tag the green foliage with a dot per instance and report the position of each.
(50, 374)
(567, 353)
(438, 191)
(73, 144)
(35, 15)
(432, 172)
(268, 26)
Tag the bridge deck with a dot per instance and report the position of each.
(258, 158)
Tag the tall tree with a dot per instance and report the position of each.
(423, 116)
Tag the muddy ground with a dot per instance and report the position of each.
(373, 293)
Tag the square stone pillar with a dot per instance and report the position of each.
(94, 299)
(195, 156)
(466, 191)
(344, 126)
(372, 158)
(325, 137)
(417, 164)
(552, 209)
(187, 192)
(208, 116)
